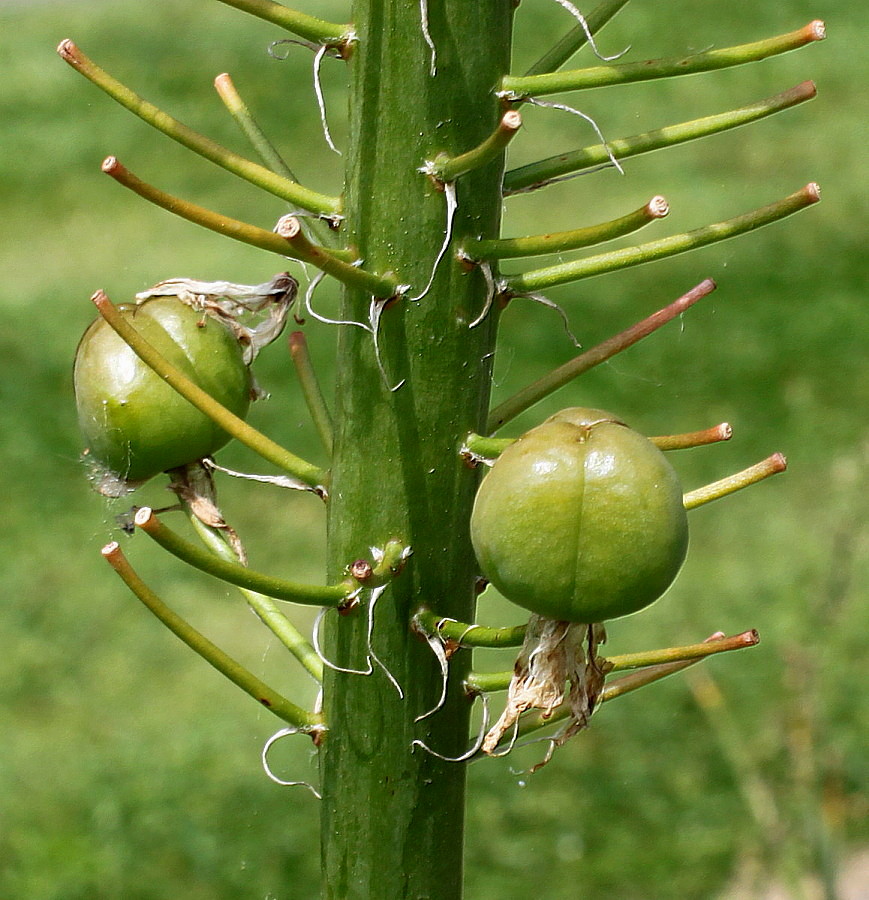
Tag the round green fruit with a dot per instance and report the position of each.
(581, 519)
(135, 425)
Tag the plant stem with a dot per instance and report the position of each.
(331, 261)
(264, 607)
(210, 652)
(392, 817)
(467, 635)
(557, 378)
(576, 38)
(308, 474)
(556, 242)
(313, 394)
(448, 168)
(187, 137)
(518, 88)
(621, 686)
(500, 681)
(541, 173)
(772, 465)
(565, 273)
(722, 432)
(235, 573)
(266, 151)
(305, 26)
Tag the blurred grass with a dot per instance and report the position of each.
(128, 769)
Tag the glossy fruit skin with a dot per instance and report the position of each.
(135, 425)
(581, 519)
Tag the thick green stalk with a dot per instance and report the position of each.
(392, 816)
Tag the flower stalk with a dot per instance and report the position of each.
(237, 574)
(772, 465)
(308, 723)
(575, 239)
(565, 273)
(520, 87)
(250, 171)
(575, 162)
(557, 378)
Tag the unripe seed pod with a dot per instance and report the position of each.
(581, 519)
(135, 425)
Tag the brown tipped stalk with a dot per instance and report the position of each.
(447, 169)
(300, 248)
(629, 683)
(250, 171)
(547, 171)
(555, 242)
(722, 432)
(654, 662)
(284, 709)
(559, 377)
(237, 574)
(772, 465)
(518, 88)
(565, 273)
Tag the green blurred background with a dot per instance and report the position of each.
(129, 769)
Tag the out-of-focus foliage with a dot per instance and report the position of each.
(129, 769)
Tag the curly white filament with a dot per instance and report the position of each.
(423, 16)
(566, 4)
(452, 204)
(486, 269)
(437, 647)
(375, 596)
(315, 640)
(469, 753)
(564, 108)
(284, 732)
(321, 103)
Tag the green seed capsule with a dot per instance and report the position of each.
(581, 519)
(135, 425)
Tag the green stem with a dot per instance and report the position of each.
(245, 120)
(565, 273)
(290, 229)
(267, 152)
(187, 137)
(678, 654)
(210, 652)
(477, 445)
(576, 38)
(265, 447)
(617, 688)
(521, 87)
(772, 465)
(305, 26)
(557, 378)
(311, 389)
(392, 817)
(330, 261)
(556, 242)
(541, 173)
(237, 574)
(269, 614)
(722, 432)
(431, 623)
(478, 682)
(447, 169)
